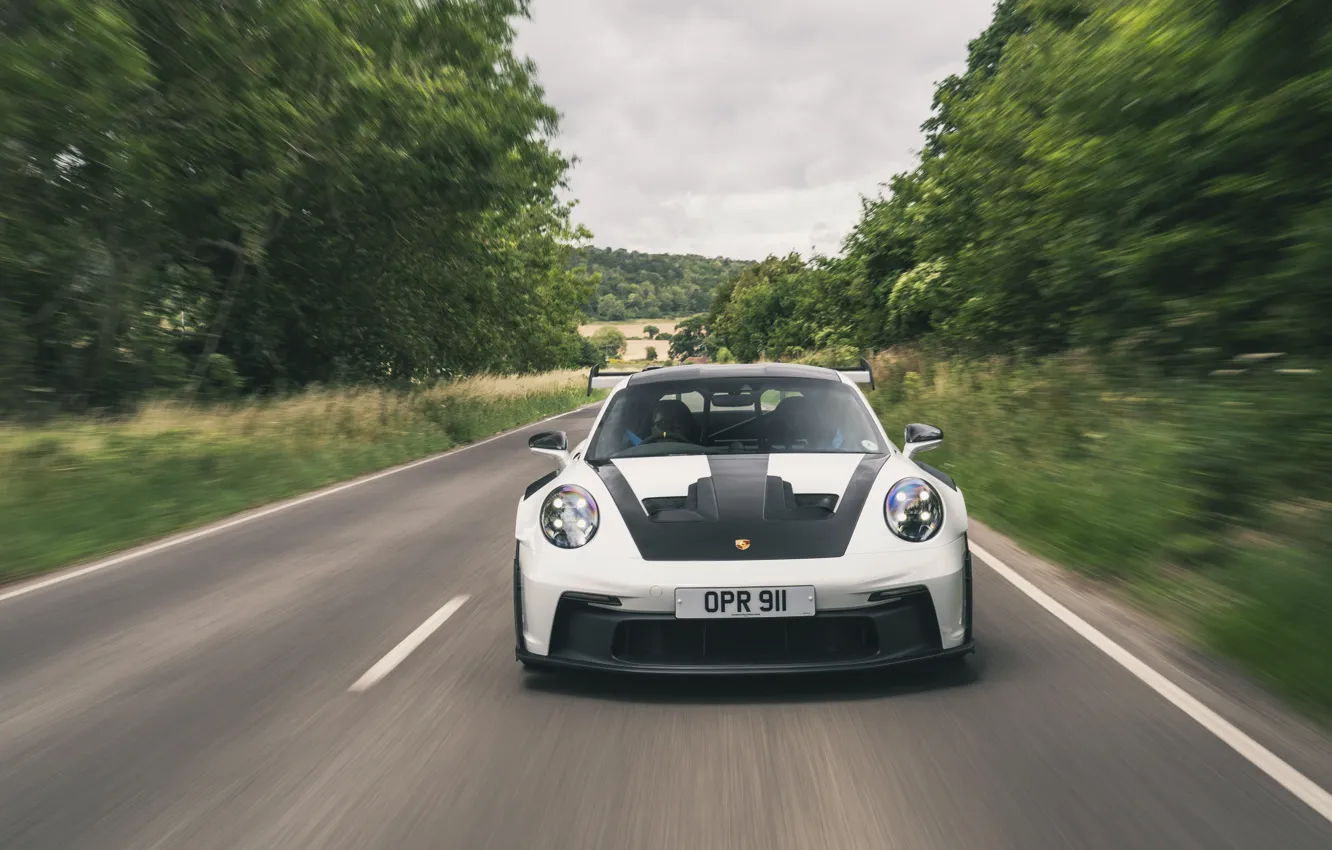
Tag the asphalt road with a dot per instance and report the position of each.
(200, 697)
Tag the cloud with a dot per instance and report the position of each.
(740, 127)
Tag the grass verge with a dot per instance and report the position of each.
(1209, 500)
(78, 489)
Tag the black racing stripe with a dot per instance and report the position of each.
(741, 486)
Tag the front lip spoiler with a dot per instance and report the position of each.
(544, 662)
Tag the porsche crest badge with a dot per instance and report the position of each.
(742, 544)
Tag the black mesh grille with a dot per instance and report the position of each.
(785, 641)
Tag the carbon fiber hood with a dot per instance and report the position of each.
(698, 507)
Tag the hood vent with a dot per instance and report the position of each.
(783, 503)
(780, 503)
(698, 505)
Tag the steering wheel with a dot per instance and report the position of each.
(654, 438)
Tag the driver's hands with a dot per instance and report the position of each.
(667, 435)
(665, 430)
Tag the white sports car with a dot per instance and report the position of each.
(740, 519)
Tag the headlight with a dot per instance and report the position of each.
(914, 510)
(569, 517)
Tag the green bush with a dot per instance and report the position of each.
(609, 341)
(1207, 498)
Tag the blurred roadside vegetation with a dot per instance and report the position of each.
(1143, 179)
(1209, 501)
(76, 488)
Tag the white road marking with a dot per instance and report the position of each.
(1262, 758)
(399, 653)
(224, 525)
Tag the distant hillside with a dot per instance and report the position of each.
(635, 285)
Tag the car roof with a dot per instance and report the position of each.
(663, 374)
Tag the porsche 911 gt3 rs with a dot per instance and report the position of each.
(740, 519)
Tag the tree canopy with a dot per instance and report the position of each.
(279, 191)
(634, 285)
(1144, 176)
(609, 342)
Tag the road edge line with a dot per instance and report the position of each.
(1302, 787)
(24, 587)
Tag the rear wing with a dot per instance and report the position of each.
(862, 374)
(599, 380)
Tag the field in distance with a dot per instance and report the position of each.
(637, 340)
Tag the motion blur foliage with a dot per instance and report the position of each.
(1141, 178)
(303, 190)
(1209, 498)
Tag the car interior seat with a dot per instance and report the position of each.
(677, 417)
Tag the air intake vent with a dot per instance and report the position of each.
(784, 504)
(665, 503)
(826, 501)
(700, 505)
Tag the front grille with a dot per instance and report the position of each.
(901, 627)
(793, 640)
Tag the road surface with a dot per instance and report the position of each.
(202, 697)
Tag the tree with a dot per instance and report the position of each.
(650, 353)
(611, 308)
(649, 285)
(1137, 175)
(588, 353)
(299, 189)
(650, 332)
(689, 338)
(609, 341)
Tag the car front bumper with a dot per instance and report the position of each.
(867, 617)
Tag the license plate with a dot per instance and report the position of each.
(695, 603)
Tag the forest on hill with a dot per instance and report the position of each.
(262, 194)
(636, 285)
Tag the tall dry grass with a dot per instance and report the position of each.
(77, 488)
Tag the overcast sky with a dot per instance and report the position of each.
(740, 128)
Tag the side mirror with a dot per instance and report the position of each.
(921, 438)
(552, 444)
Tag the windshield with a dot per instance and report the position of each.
(734, 415)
